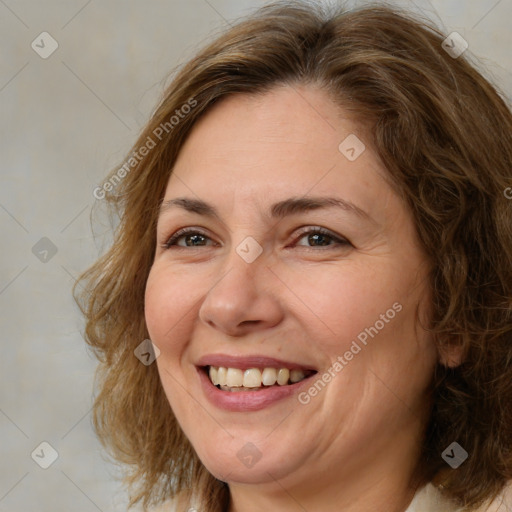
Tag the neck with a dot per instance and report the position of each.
(385, 496)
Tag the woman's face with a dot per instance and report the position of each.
(255, 286)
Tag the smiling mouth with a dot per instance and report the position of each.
(254, 379)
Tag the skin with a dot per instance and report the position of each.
(353, 447)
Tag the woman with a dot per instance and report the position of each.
(314, 236)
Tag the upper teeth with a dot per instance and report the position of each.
(253, 377)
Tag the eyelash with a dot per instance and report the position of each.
(316, 230)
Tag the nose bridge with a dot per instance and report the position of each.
(244, 267)
(241, 297)
(249, 250)
(247, 233)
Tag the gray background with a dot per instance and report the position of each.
(65, 121)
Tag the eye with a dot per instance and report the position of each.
(321, 237)
(191, 236)
(318, 236)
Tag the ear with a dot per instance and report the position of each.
(451, 355)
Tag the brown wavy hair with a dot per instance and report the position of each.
(444, 134)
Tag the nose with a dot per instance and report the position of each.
(243, 299)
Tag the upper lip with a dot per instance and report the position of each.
(250, 361)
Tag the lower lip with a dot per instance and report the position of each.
(242, 401)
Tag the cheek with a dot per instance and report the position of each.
(337, 300)
(166, 306)
(166, 303)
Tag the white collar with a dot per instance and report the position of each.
(430, 499)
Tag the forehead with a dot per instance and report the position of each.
(266, 147)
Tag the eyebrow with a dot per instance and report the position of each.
(281, 209)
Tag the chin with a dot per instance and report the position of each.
(242, 462)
